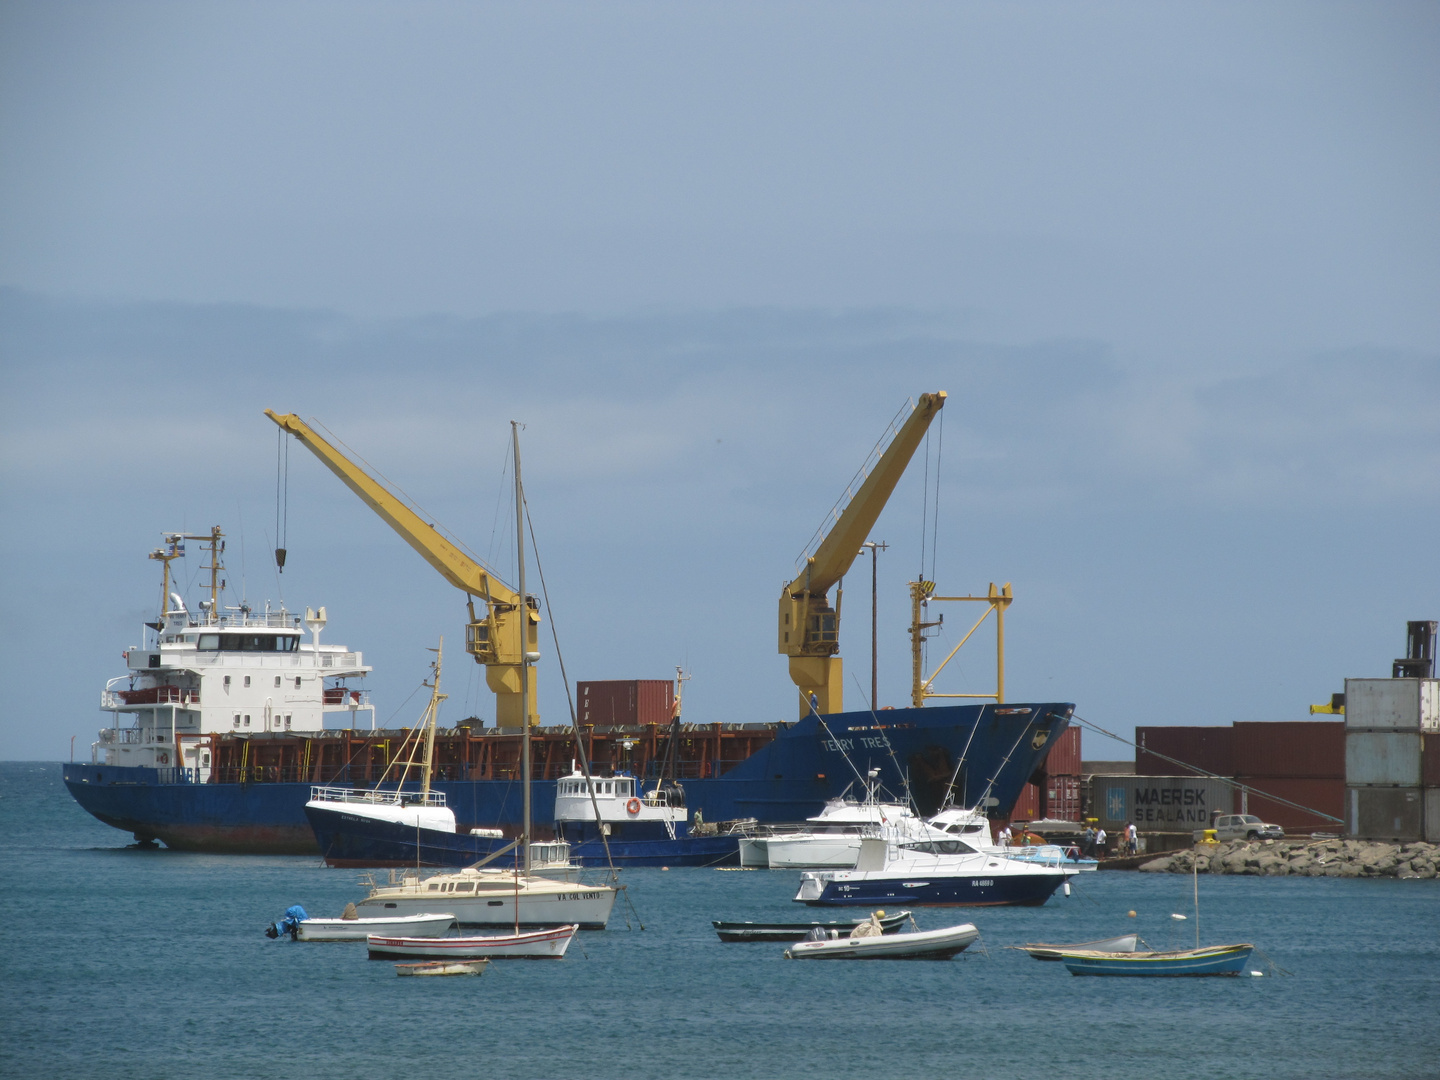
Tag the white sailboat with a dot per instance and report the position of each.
(482, 895)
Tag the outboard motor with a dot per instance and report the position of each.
(290, 924)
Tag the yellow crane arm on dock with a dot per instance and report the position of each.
(809, 628)
(495, 639)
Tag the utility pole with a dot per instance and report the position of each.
(874, 647)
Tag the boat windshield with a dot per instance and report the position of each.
(940, 847)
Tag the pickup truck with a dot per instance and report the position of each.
(1242, 827)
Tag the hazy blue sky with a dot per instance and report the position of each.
(1177, 265)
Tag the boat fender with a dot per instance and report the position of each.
(633, 806)
(1067, 888)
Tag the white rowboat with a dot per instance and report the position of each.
(1126, 943)
(443, 967)
(530, 945)
(425, 925)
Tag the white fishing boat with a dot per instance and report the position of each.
(443, 967)
(358, 929)
(947, 873)
(916, 945)
(973, 827)
(831, 839)
(549, 944)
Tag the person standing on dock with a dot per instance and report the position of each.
(1100, 842)
(1132, 839)
(1087, 842)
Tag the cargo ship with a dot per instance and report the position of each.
(218, 734)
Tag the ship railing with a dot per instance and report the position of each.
(281, 619)
(340, 660)
(374, 798)
(150, 695)
(346, 698)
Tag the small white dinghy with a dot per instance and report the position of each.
(1125, 943)
(443, 967)
(916, 945)
(547, 944)
(425, 926)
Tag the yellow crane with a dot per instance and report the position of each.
(809, 631)
(494, 638)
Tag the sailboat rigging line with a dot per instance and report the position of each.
(950, 788)
(902, 773)
(826, 728)
(990, 786)
(1201, 772)
(580, 755)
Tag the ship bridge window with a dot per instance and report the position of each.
(940, 847)
(248, 643)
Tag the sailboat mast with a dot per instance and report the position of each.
(1195, 882)
(435, 698)
(524, 644)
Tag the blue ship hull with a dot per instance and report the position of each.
(788, 779)
(931, 890)
(351, 840)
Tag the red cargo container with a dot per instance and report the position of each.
(625, 701)
(1062, 798)
(1063, 758)
(1430, 760)
(1325, 795)
(1312, 749)
(1209, 749)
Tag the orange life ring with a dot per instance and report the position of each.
(164, 758)
(633, 806)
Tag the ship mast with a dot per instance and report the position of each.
(435, 698)
(525, 656)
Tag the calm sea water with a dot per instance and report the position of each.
(126, 963)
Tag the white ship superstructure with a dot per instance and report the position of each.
(222, 671)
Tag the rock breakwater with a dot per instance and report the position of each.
(1304, 858)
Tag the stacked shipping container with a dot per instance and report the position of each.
(1300, 762)
(1388, 723)
(1055, 791)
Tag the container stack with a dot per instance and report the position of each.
(1387, 725)
(1055, 791)
(1298, 761)
(1301, 763)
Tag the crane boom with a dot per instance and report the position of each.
(493, 639)
(809, 627)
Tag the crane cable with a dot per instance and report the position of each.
(282, 498)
